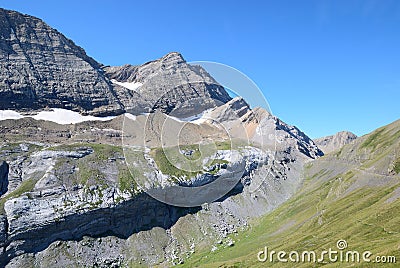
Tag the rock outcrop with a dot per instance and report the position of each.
(335, 142)
(258, 125)
(40, 67)
(3, 177)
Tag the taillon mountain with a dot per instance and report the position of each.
(85, 148)
(42, 68)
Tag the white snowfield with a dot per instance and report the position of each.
(8, 114)
(130, 116)
(56, 115)
(129, 85)
(66, 117)
(195, 119)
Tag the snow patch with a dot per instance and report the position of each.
(130, 116)
(56, 115)
(194, 119)
(63, 117)
(129, 85)
(8, 114)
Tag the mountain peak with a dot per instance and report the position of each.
(173, 56)
(334, 142)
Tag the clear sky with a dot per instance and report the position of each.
(323, 66)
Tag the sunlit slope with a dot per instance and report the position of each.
(351, 194)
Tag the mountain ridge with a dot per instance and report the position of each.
(336, 141)
(41, 68)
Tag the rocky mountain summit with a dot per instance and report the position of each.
(41, 68)
(166, 84)
(335, 142)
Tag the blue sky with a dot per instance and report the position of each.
(323, 66)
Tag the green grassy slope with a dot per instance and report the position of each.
(352, 194)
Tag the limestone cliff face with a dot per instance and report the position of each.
(41, 68)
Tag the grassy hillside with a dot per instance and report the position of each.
(352, 194)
